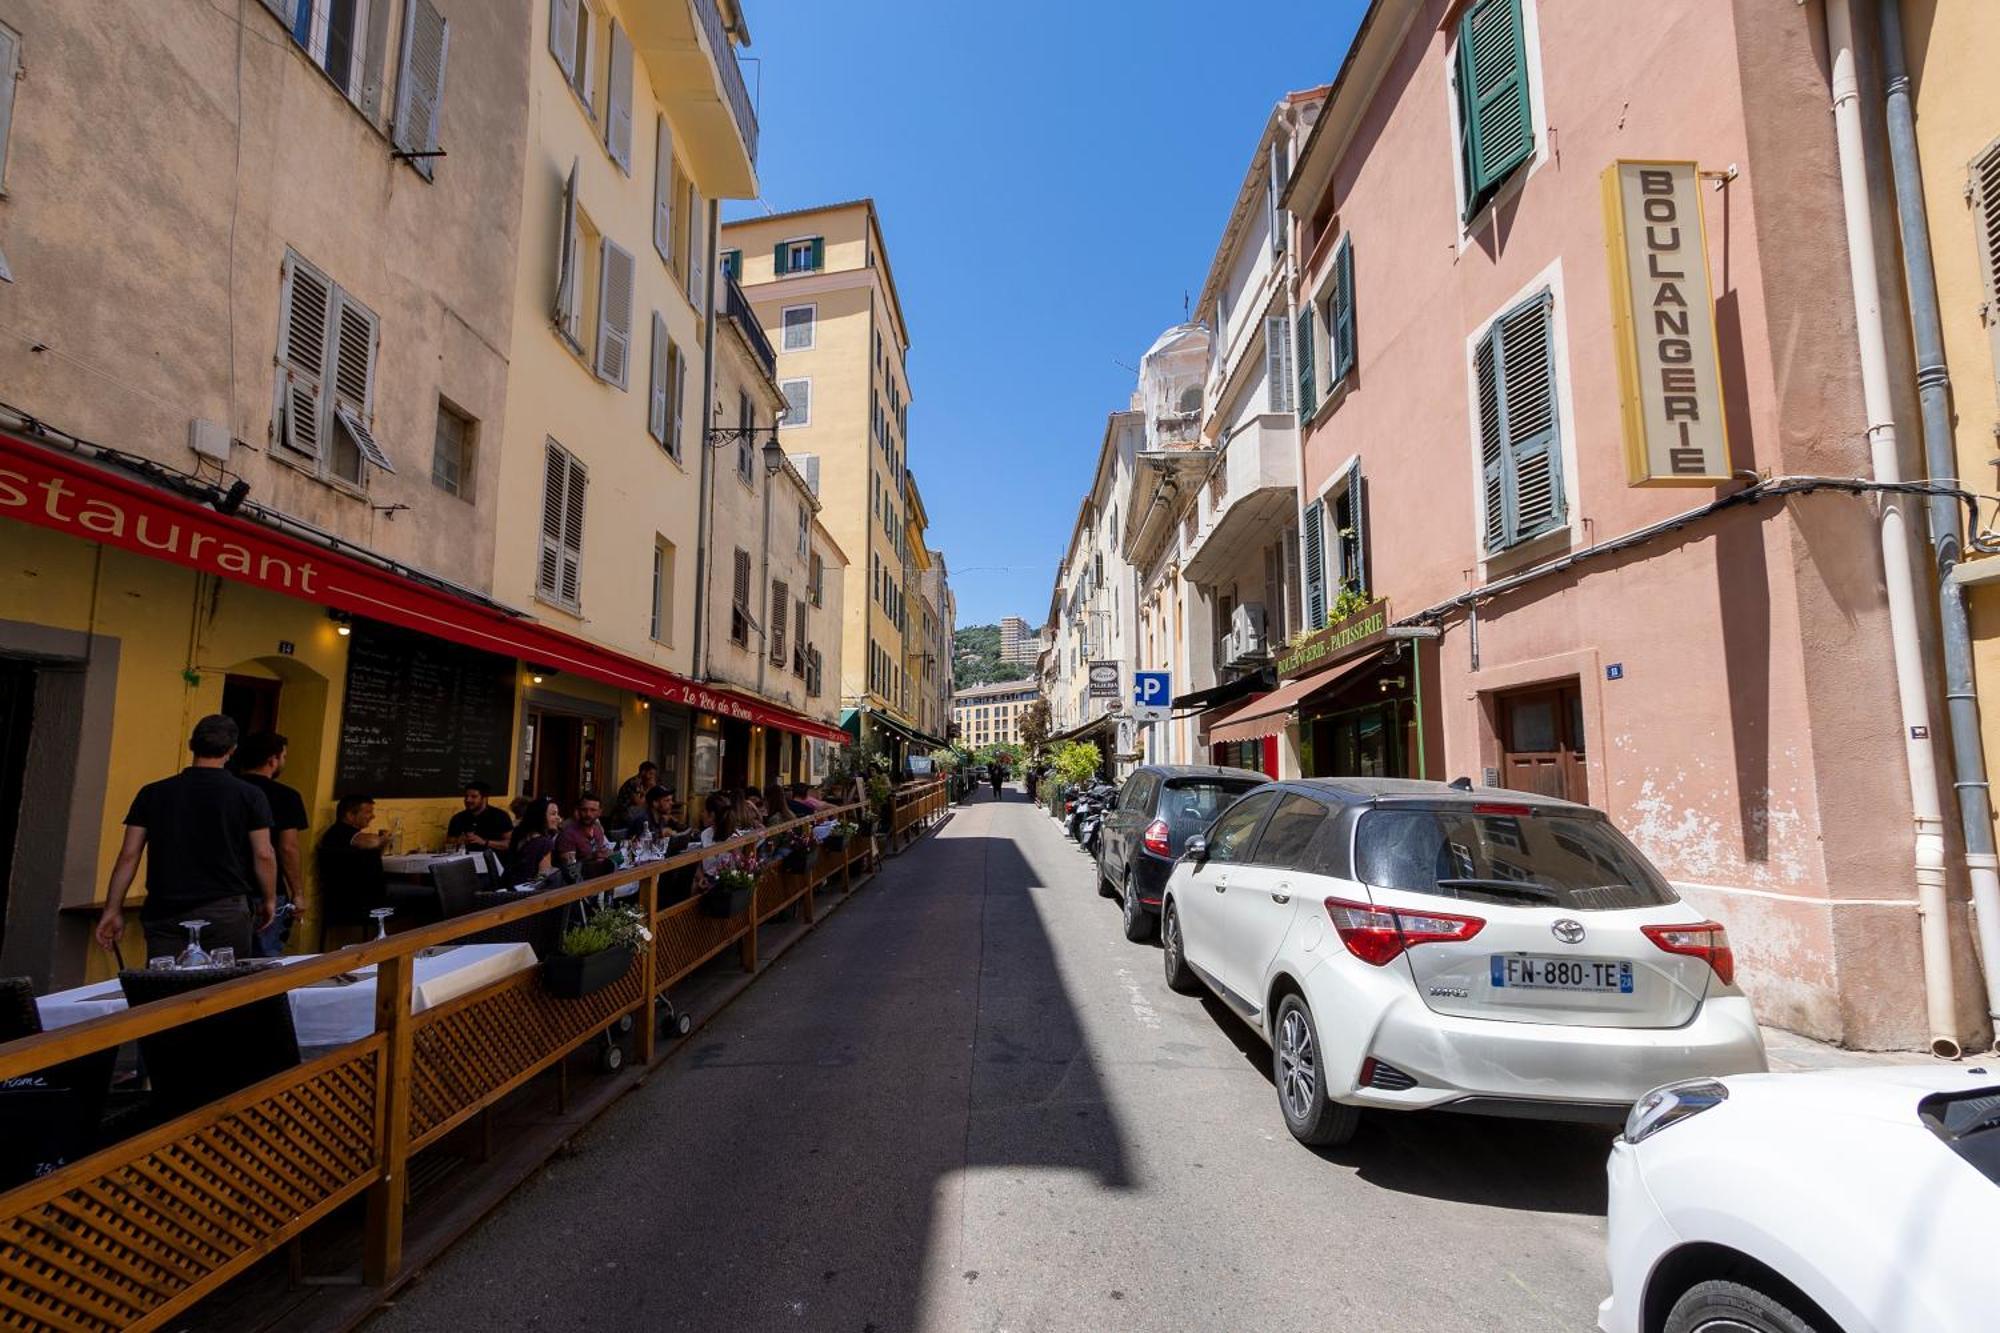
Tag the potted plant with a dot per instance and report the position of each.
(595, 954)
(734, 882)
(797, 847)
(842, 830)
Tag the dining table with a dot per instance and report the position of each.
(340, 1009)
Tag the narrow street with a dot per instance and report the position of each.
(968, 1103)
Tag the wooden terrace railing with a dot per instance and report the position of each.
(136, 1233)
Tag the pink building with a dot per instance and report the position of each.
(1722, 686)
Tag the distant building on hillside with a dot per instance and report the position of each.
(1018, 641)
(991, 714)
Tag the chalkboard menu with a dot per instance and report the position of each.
(422, 717)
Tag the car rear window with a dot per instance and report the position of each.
(1191, 804)
(1576, 862)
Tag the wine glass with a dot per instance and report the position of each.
(381, 915)
(194, 955)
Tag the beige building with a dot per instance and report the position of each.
(991, 714)
(820, 282)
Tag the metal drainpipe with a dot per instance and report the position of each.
(703, 565)
(1975, 804)
(1900, 584)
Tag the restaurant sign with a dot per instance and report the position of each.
(1104, 679)
(1663, 325)
(1322, 648)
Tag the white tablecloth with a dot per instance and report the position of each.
(418, 864)
(332, 1013)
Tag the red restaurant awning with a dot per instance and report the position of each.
(1273, 712)
(54, 488)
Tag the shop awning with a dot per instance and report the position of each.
(71, 493)
(1229, 691)
(1099, 723)
(1275, 711)
(851, 719)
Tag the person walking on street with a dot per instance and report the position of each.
(996, 772)
(206, 837)
(259, 762)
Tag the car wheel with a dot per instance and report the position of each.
(1295, 1067)
(1180, 977)
(1138, 921)
(1713, 1307)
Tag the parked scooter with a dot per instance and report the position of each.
(1090, 806)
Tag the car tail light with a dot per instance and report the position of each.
(1376, 935)
(1155, 838)
(1496, 808)
(1705, 940)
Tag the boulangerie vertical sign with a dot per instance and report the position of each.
(1663, 315)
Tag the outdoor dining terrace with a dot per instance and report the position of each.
(303, 1196)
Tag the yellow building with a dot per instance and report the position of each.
(820, 282)
(991, 714)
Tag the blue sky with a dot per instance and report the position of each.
(1052, 178)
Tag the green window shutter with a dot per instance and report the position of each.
(778, 260)
(1313, 537)
(1496, 130)
(1342, 323)
(818, 253)
(1306, 401)
(1519, 434)
(732, 264)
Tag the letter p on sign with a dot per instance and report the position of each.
(1152, 694)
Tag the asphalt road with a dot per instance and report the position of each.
(967, 1103)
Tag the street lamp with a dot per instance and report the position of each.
(774, 456)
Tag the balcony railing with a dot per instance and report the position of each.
(737, 306)
(732, 73)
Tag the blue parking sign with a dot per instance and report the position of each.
(1152, 693)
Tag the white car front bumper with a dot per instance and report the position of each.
(1637, 1235)
(1514, 1065)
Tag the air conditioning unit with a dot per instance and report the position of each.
(1245, 644)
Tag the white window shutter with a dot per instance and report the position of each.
(680, 398)
(618, 101)
(352, 376)
(663, 191)
(562, 34)
(656, 403)
(614, 313)
(697, 256)
(567, 309)
(572, 533)
(1983, 191)
(302, 356)
(420, 82)
(1278, 362)
(555, 477)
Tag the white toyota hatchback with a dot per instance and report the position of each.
(1409, 945)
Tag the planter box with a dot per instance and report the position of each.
(798, 862)
(571, 977)
(835, 842)
(720, 902)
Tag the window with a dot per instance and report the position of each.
(1519, 436)
(781, 597)
(663, 191)
(420, 85)
(798, 401)
(1278, 375)
(451, 453)
(559, 574)
(326, 384)
(570, 41)
(746, 448)
(663, 590)
(667, 395)
(739, 601)
(805, 530)
(1339, 311)
(1983, 190)
(798, 323)
(1274, 189)
(732, 265)
(1307, 403)
(618, 100)
(1495, 121)
(816, 580)
(1289, 833)
(334, 35)
(616, 276)
(799, 636)
(806, 255)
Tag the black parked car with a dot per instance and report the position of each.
(1144, 832)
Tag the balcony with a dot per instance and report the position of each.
(1256, 498)
(737, 306)
(687, 49)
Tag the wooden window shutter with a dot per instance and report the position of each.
(679, 411)
(663, 191)
(1314, 540)
(1274, 186)
(1342, 329)
(618, 100)
(656, 403)
(1354, 541)
(778, 256)
(302, 356)
(1496, 130)
(781, 600)
(420, 82)
(818, 253)
(740, 587)
(356, 332)
(555, 480)
(1983, 191)
(567, 309)
(799, 636)
(1306, 400)
(1519, 435)
(1278, 363)
(572, 533)
(562, 35)
(614, 313)
(698, 256)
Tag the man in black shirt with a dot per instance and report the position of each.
(259, 762)
(206, 837)
(349, 861)
(481, 823)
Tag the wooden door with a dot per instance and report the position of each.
(1542, 745)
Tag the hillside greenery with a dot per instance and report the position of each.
(976, 658)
